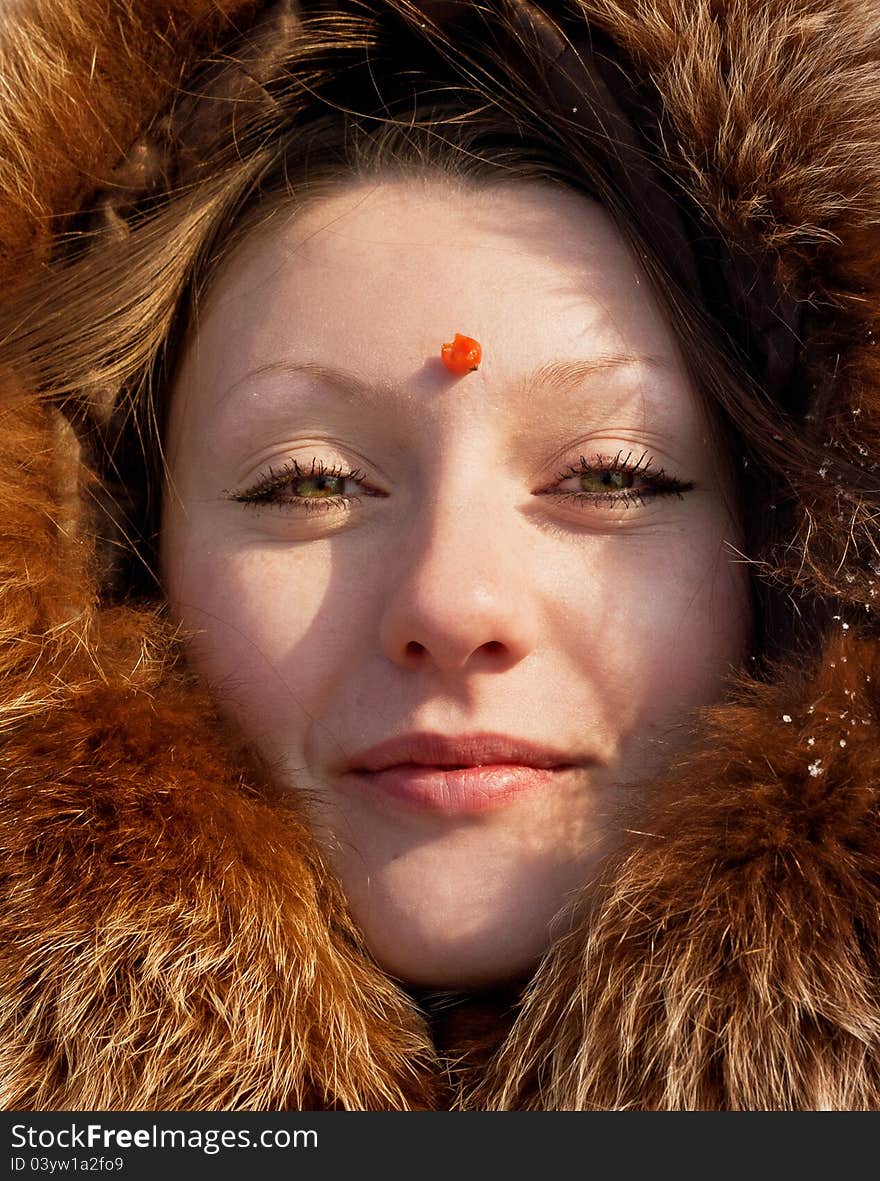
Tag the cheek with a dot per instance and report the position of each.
(270, 631)
(655, 624)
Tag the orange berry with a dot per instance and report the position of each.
(461, 355)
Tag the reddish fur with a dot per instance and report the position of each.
(90, 72)
(169, 936)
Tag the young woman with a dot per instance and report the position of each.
(440, 556)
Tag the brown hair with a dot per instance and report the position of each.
(274, 120)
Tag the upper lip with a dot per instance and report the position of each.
(461, 750)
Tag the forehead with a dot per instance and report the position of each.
(447, 243)
(374, 276)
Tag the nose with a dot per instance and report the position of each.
(461, 597)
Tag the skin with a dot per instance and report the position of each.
(459, 596)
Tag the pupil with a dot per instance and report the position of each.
(610, 479)
(318, 483)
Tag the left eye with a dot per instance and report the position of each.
(605, 482)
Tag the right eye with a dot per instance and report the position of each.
(313, 489)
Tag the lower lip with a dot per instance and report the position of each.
(467, 789)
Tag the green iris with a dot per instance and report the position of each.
(603, 480)
(307, 484)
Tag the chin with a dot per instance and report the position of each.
(478, 967)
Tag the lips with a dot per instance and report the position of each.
(462, 774)
(460, 751)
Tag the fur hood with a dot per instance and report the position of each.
(171, 938)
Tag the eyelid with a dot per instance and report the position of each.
(656, 479)
(657, 484)
(269, 482)
(602, 462)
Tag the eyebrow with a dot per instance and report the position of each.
(559, 374)
(567, 373)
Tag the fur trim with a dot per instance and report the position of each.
(78, 80)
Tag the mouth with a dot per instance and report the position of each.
(459, 789)
(461, 773)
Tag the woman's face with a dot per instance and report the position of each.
(368, 547)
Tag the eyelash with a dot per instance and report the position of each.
(659, 484)
(268, 487)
